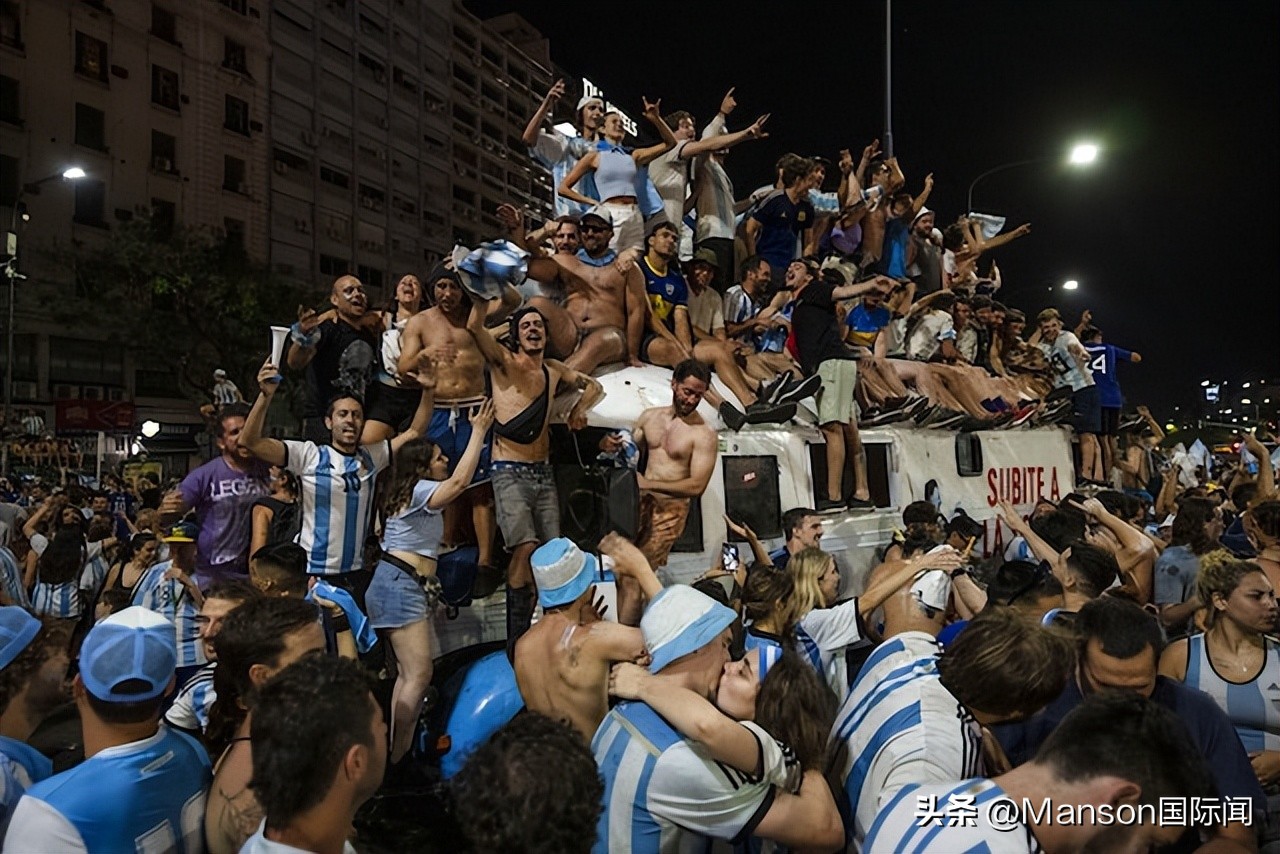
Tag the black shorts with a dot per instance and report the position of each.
(1086, 410)
(1110, 421)
(389, 404)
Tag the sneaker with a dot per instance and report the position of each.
(806, 387)
(826, 505)
(947, 419)
(1022, 416)
(860, 505)
(732, 416)
(768, 391)
(770, 413)
(885, 416)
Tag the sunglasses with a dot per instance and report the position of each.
(594, 229)
(1042, 572)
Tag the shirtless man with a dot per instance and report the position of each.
(603, 317)
(459, 392)
(681, 451)
(524, 489)
(562, 663)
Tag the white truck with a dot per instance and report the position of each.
(764, 470)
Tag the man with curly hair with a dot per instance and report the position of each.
(507, 801)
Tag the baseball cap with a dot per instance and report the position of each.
(181, 532)
(219, 373)
(135, 646)
(562, 571)
(706, 256)
(680, 621)
(964, 525)
(599, 212)
(486, 270)
(17, 629)
(923, 212)
(587, 99)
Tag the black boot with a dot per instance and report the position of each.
(519, 615)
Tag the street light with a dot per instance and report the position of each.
(1082, 154)
(1070, 285)
(71, 173)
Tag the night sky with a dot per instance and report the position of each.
(1171, 234)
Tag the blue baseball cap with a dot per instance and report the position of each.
(18, 628)
(562, 571)
(181, 532)
(680, 621)
(134, 645)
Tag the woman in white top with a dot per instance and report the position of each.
(396, 598)
(393, 398)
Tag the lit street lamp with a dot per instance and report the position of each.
(73, 173)
(1083, 154)
(1070, 285)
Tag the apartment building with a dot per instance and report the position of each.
(163, 105)
(395, 132)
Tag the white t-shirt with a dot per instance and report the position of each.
(713, 191)
(825, 633)
(929, 333)
(259, 844)
(337, 502)
(670, 175)
(706, 310)
(900, 726)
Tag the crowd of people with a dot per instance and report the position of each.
(221, 643)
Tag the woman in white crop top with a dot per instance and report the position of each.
(419, 490)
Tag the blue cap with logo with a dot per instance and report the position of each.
(129, 657)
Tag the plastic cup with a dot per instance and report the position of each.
(279, 334)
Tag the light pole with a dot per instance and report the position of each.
(1082, 154)
(73, 173)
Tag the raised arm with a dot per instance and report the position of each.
(1152, 423)
(425, 373)
(554, 94)
(303, 339)
(693, 148)
(494, 353)
(1266, 473)
(630, 562)
(481, 420)
(885, 586)
(271, 451)
(758, 551)
(917, 204)
(851, 291)
(1019, 526)
(1001, 239)
(645, 156)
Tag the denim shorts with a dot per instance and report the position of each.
(526, 502)
(394, 599)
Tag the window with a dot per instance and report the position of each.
(371, 198)
(238, 6)
(91, 127)
(8, 179)
(233, 56)
(164, 24)
(237, 118)
(234, 229)
(332, 176)
(9, 101)
(286, 162)
(10, 24)
(375, 68)
(156, 384)
(372, 277)
(91, 57)
(164, 152)
(233, 174)
(968, 455)
(80, 362)
(163, 215)
(751, 493)
(370, 27)
(164, 87)
(331, 266)
(91, 201)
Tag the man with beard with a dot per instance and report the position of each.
(523, 382)
(336, 479)
(337, 350)
(681, 454)
(459, 392)
(33, 674)
(603, 317)
(222, 491)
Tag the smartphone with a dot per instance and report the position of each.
(729, 557)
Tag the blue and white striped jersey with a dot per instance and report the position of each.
(1254, 706)
(171, 600)
(147, 795)
(900, 726)
(952, 816)
(190, 709)
(337, 502)
(63, 601)
(11, 579)
(666, 795)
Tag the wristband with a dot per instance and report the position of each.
(301, 338)
(959, 571)
(339, 623)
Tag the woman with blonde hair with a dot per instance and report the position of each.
(1237, 663)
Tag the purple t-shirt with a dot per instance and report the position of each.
(223, 499)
